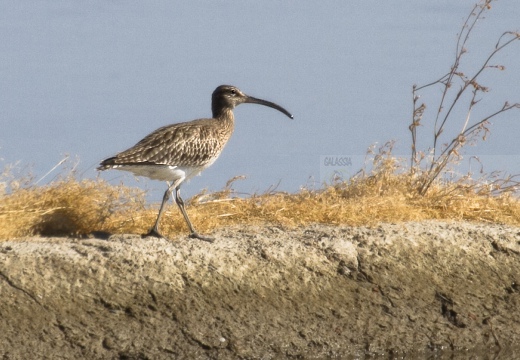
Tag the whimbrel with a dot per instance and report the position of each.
(180, 151)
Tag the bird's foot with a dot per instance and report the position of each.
(154, 233)
(194, 235)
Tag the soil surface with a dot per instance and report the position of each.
(410, 290)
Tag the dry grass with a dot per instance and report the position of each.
(71, 207)
(68, 206)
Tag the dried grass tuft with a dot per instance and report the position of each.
(69, 207)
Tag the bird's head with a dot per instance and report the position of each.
(227, 97)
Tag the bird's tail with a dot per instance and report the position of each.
(107, 164)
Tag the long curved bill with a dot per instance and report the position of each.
(253, 100)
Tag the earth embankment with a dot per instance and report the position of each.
(264, 292)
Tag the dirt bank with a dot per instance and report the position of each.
(264, 292)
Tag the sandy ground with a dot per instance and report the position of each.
(412, 290)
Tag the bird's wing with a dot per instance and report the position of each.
(195, 142)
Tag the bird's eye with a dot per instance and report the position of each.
(233, 92)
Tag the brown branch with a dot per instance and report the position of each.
(468, 132)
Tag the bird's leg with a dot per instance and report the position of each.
(193, 233)
(155, 230)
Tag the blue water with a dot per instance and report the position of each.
(90, 79)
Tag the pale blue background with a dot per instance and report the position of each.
(92, 78)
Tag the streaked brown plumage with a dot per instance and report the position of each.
(180, 151)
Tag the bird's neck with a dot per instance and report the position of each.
(225, 114)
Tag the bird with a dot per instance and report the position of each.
(175, 153)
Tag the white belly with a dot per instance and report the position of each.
(162, 172)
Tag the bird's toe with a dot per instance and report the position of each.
(195, 235)
(154, 233)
